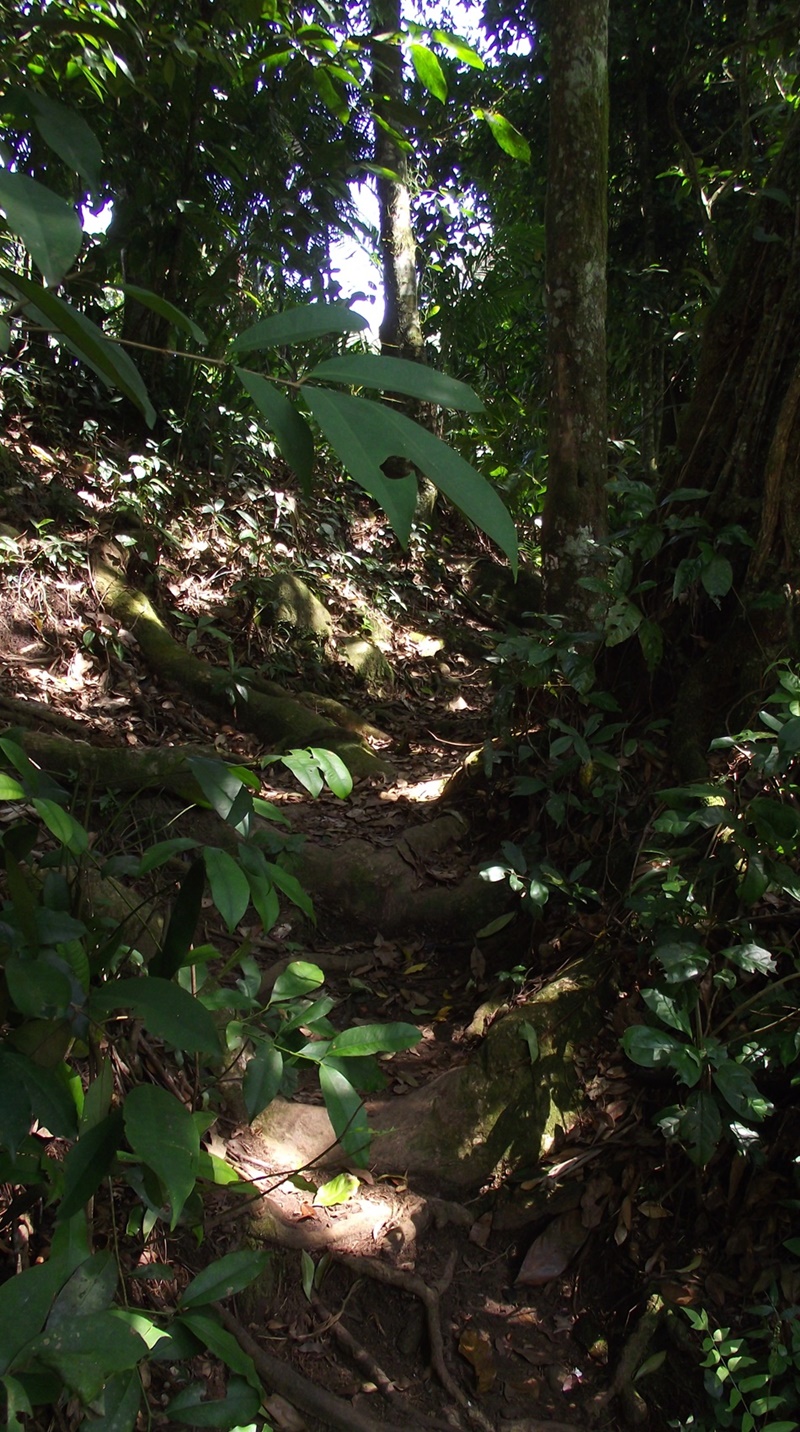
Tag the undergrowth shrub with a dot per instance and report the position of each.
(107, 1148)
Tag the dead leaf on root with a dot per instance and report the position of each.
(553, 1250)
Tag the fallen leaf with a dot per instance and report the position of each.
(553, 1250)
(476, 1348)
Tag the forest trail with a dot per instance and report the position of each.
(527, 1303)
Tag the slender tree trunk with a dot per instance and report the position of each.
(401, 329)
(574, 519)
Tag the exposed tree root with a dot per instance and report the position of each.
(633, 1405)
(280, 721)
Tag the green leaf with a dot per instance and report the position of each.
(281, 417)
(83, 338)
(700, 1127)
(315, 765)
(230, 888)
(166, 310)
(222, 1344)
(364, 434)
(183, 921)
(224, 790)
(163, 1134)
(224, 1277)
(736, 1086)
(375, 1039)
(290, 886)
(88, 1162)
(158, 855)
(650, 1048)
(168, 1011)
(716, 575)
(531, 1037)
(120, 1402)
(509, 139)
(337, 777)
(262, 1079)
(51, 1101)
(346, 1113)
(87, 1351)
(459, 48)
(298, 979)
(68, 135)
(18, 1404)
(428, 71)
(37, 988)
(337, 1190)
(623, 619)
(49, 228)
(25, 1301)
(10, 790)
(668, 1010)
(238, 1409)
(90, 1289)
(753, 958)
(62, 825)
(330, 94)
(398, 375)
(298, 325)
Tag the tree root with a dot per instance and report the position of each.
(280, 721)
(430, 1297)
(633, 1405)
(331, 1410)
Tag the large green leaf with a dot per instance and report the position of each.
(120, 1401)
(24, 1304)
(68, 135)
(180, 932)
(222, 1344)
(88, 1162)
(163, 1134)
(230, 888)
(224, 1277)
(238, 1409)
(375, 1039)
(168, 1011)
(262, 1080)
(49, 228)
(298, 325)
(167, 310)
(87, 1351)
(82, 337)
(365, 434)
(509, 138)
(90, 1289)
(282, 418)
(428, 71)
(459, 48)
(223, 788)
(346, 1112)
(398, 375)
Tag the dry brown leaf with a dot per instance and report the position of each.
(476, 1348)
(553, 1250)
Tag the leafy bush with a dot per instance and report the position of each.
(67, 1127)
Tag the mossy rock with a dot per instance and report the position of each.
(294, 603)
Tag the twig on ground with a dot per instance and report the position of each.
(333, 1411)
(430, 1299)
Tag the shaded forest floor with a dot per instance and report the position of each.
(619, 1217)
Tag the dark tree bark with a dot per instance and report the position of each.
(740, 441)
(576, 237)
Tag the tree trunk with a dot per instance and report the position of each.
(740, 441)
(401, 329)
(576, 238)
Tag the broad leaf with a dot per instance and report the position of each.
(716, 575)
(120, 1402)
(68, 135)
(365, 434)
(37, 988)
(262, 1080)
(651, 1048)
(224, 790)
(346, 1113)
(25, 1301)
(375, 1039)
(667, 1009)
(298, 979)
(428, 71)
(90, 1289)
(398, 375)
(509, 138)
(224, 1277)
(459, 48)
(168, 1011)
(238, 1409)
(88, 1162)
(337, 1190)
(167, 310)
(183, 920)
(753, 958)
(222, 1344)
(163, 1134)
(281, 417)
(87, 1351)
(63, 826)
(290, 886)
(157, 855)
(230, 888)
(736, 1086)
(298, 325)
(700, 1127)
(49, 227)
(82, 337)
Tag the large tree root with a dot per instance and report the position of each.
(280, 721)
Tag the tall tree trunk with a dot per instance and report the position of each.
(401, 329)
(740, 442)
(574, 518)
